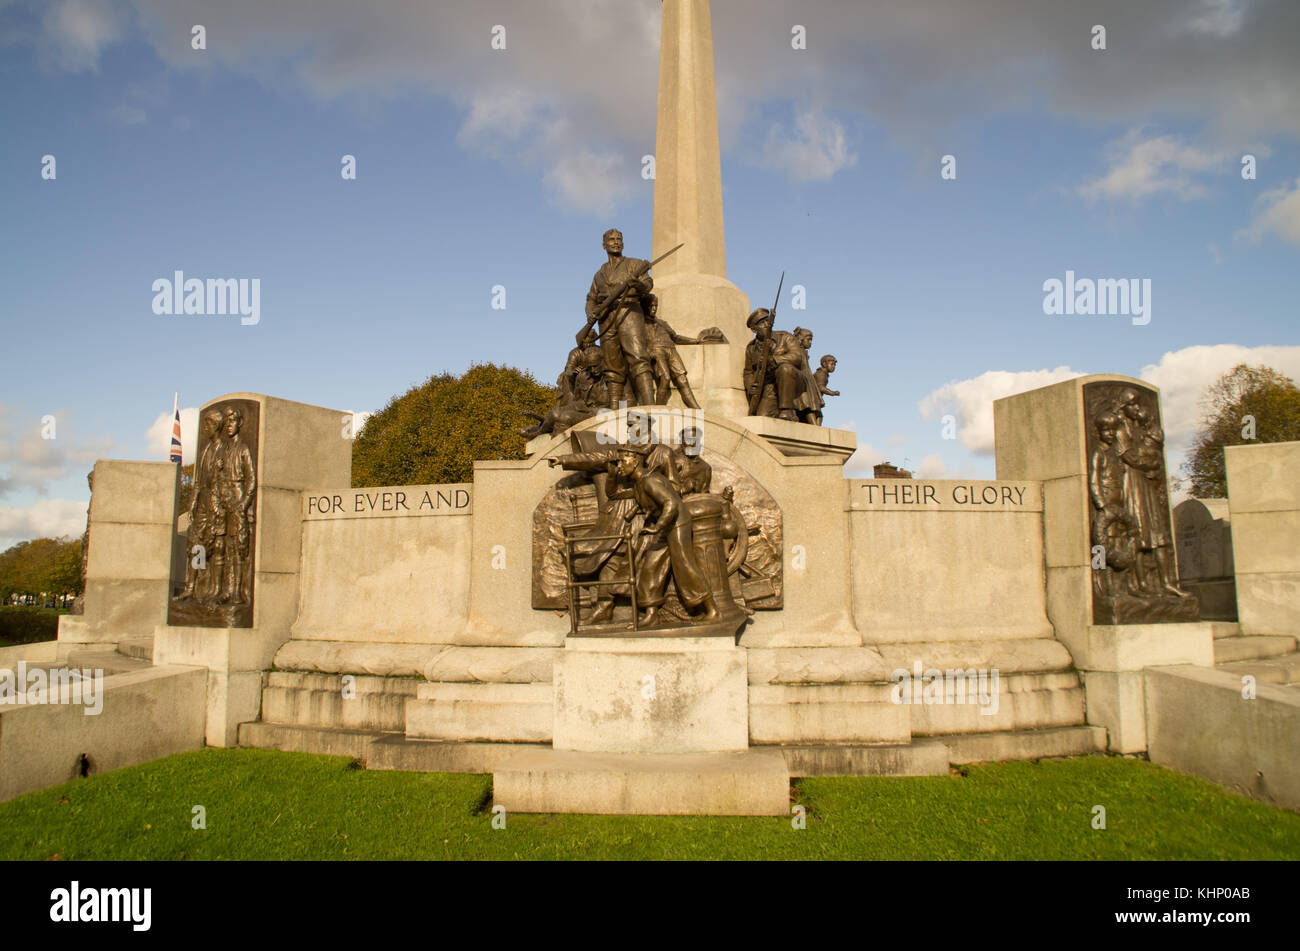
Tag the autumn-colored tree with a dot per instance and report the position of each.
(42, 566)
(434, 432)
(1245, 406)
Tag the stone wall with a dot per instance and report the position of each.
(386, 564)
(1264, 494)
(937, 560)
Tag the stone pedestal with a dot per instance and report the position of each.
(1044, 435)
(299, 447)
(749, 783)
(1264, 495)
(651, 695)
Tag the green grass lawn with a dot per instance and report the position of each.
(268, 805)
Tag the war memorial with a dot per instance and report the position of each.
(677, 602)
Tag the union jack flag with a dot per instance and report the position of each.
(175, 455)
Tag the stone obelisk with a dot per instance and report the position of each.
(692, 285)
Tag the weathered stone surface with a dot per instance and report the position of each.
(145, 714)
(1252, 647)
(1204, 535)
(1265, 500)
(816, 665)
(509, 713)
(1029, 744)
(1134, 646)
(391, 578)
(1283, 669)
(368, 703)
(355, 657)
(1029, 655)
(41, 651)
(307, 739)
(809, 715)
(432, 756)
(981, 577)
(650, 695)
(1116, 701)
(922, 757)
(1023, 702)
(748, 783)
(1199, 722)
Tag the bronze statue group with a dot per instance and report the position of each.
(626, 355)
(661, 539)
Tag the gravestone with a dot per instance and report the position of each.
(1204, 532)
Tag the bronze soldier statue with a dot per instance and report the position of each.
(615, 300)
(200, 533)
(235, 484)
(773, 369)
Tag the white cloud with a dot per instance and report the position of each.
(76, 31)
(591, 182)
(816, 150)
(971, 401)
(1217, 18)
(859, 465)
(159, 435)
(45, 518)
(37, 450)
(1278, 213)
(916, 69)
(1140, 166)
(1183, 375)
(932, 467)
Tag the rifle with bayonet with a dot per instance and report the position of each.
(757, 396)
(600, 312)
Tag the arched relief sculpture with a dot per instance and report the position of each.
(1134, 578)
(704, 536)
(219, 550)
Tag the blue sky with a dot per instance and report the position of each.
(479, 167)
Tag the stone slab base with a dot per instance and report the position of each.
(374, 704)
(921, 758)
(1199, 722)
(665, 695)
(750, 783)
(483, 712)
(143, 715)
(430, 756)
(1032, 744)
(306, 739)
(1253, 647)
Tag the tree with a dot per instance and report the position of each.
(1246, 405)
(49, 566)
(434, 432)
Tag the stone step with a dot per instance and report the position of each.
(404, 753)
(105, 659)
(1281, 669)
(1028, 744)
(141, 648)
(365, 710)
(1252, 647)
(504, 713)
(924, 757)
(360, 683)
(306, 739)
(1225, 629)
(750, 783)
